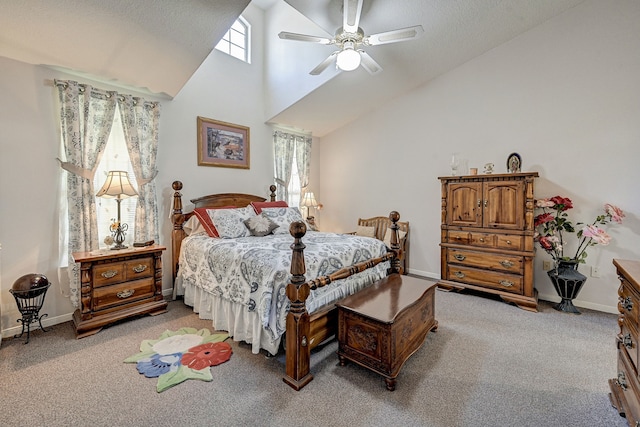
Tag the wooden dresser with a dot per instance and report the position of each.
(625, 388)
(487, 236)
(116, 284)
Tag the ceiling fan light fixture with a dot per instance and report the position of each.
(348, 58)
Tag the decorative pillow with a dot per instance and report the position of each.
(230, 222)
(193, 226)
(258, 206)
(260, 225)
(387, 236)
(366, 231)
(283, 217)
(204, 216)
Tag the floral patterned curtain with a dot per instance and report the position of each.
(303, 160)
(140, 121)
(283, 148)
(285, 145)
(86, 115)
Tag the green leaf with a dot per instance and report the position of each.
(139, 356)
(180, 375)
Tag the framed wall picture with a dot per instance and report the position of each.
(222, 144)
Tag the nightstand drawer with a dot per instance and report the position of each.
(117, 272)
(488, 279)
(510, 263)
(123, 293)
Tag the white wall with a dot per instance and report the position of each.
(564, 95)
(223, 88)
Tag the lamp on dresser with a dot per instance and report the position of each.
(117, 186)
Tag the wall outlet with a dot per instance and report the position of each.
(547, 265)
(595, 271)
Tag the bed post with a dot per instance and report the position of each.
(395, 243)
(298, 353)
(177, 218)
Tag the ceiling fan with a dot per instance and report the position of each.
(350, 39)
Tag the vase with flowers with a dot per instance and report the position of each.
(552, 226)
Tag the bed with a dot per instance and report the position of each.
(254, 286)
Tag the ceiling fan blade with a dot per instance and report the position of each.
(394, 36)
(324, 64)
(368, 63)
(351, 15)
(304, 38)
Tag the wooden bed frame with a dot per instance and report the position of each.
(303, 331)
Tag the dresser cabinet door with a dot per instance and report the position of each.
(504, 205)
(464, 204)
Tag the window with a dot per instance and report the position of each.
(236, 41)
(294, 185)
(115, 157)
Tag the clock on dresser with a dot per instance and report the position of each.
(116, 284)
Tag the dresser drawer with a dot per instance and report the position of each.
(628, 342)
(489, 279)
(628, 304)
(117, 272)
(510, 263)
(459, 237)
(123, 293)
(509, 241)
(627, 381)
(486, 240)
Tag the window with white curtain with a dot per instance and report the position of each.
(115, 157)
(236, 41)
(294, 185)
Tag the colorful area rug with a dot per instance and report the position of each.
(181, 355)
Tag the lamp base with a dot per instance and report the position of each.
(117, 247)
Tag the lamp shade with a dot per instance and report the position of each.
(117, 186)
(309, 200)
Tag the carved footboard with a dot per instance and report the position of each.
(304, 332)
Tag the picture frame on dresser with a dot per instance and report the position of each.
(223, 144)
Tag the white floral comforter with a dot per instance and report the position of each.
(254, 271)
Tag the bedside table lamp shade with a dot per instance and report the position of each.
(309, 201)
(117, 186)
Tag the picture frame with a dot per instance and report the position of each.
(514, 163)
(223, 144)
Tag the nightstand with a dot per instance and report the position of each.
(116, 284)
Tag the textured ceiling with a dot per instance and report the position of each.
(455, 32)
(158, 44)
(149, 44)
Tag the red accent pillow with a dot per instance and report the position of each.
(258, 206)
(205, 219)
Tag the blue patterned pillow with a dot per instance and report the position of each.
(283, 217)
(230, 222)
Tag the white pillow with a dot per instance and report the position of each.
(193, 226)
(283, 217)
(366, 231)
(230, 222)
(387, 236)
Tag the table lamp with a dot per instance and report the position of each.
(117, 186)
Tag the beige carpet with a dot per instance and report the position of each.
(489, 364)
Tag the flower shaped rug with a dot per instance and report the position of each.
(181, 355)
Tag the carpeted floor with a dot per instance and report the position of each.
(489, 364)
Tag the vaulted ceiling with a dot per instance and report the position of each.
(124, 41)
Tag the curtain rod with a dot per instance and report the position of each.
(107, 93)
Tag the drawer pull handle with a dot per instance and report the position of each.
(481, 239)
(627, 303)
(125, 294)
(139, 268)
(459, 257)
(459, 274)
(622, 380)
(627, 341)
(506, 263)
(506, 283)
(508, 242)
(109, 274)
